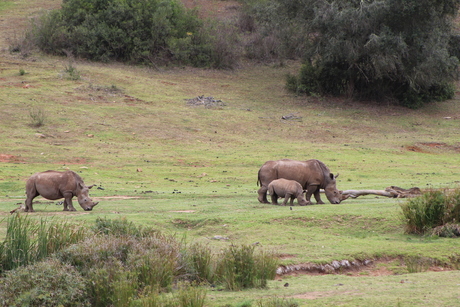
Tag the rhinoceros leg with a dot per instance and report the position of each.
(313, 190)
(31, 192)
(28, 203)
(317, 197)
(263, 194)
(274, 199)
(68, 206)
(286, 198)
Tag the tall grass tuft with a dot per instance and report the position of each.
(17, 249)
(432, 212)
(124, 289)
(241, 268)
(28, 241)
(201, 262)
(53, 237)
(417, 264)
(424, 212)
(190, 295)
(37, 117)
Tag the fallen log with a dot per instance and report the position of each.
(393, 192)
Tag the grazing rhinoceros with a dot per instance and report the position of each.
(312, 175)
(287, 189)
(54, 185)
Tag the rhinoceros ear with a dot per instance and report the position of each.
(333, 177)
(90, 186)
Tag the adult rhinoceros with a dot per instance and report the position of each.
(55, 185)
(312, 175)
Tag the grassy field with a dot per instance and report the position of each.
(192, 170)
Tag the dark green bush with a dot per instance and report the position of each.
(432, 212)
(378, 50)
(135, 31)
(47, 283)
(214, 45)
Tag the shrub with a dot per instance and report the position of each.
(121, 265)
(47, 283)
(432, 211)
(424, 212)
(37, 117)
(72, 72)
(118, 227)
(200, 262)
(111, 285)
(274, 30)
(372, 49)
(213, 45)
(240, 268)
(151, 31)
(417, 264)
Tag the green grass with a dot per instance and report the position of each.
(144, 143)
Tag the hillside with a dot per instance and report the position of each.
(161, 159)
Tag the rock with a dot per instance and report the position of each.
(207, 102)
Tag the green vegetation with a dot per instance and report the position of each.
(119, 262)
(190, 172)
(27, 242)
(149, 32)
(434, 211)
(374, 50)
(37, 117)
(405, 52)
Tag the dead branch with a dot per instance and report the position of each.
(393, 192)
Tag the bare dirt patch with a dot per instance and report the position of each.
(433, 147)
(11, 159)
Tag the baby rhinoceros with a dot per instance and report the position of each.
(287, 189)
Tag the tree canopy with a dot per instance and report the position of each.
(392, 49)
(134, 31)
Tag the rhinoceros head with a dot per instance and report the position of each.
(332, 194)
(83, 197)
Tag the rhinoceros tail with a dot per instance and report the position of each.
(259, 183)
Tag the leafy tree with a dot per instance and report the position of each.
(136, 31)
(374, 49)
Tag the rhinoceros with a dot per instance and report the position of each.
(312, 175)
(287, 189)
(55, 185)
